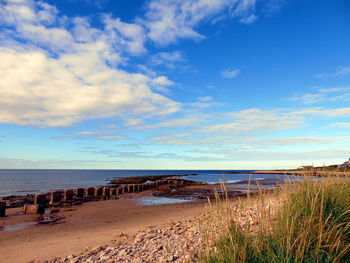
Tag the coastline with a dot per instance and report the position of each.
(303, 173)
(80, 228)
(120, 228)
(85, 227)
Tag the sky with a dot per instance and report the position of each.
(185, 84)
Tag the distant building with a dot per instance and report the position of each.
(345, 164)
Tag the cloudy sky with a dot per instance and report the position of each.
(200, 84)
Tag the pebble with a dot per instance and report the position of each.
(178, 242)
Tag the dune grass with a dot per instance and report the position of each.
(312, 225)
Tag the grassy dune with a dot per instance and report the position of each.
(311, 225)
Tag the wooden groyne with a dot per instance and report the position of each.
(57, 198)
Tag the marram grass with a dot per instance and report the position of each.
(312, 225)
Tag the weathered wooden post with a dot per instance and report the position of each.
(89, 191)
(79, 192)
(139, 189)
(38, 207)
(55, 197)
(2, 208)
(68, 195)
(105, 191)
(39, 199)
(113, 191)
(134, 188)
(98, 191)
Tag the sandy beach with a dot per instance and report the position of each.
(77, 232)
(85, 227)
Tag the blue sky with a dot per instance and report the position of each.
(236, 84)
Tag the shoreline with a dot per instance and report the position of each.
(91, 229)
(77, 228)
(85, 227)
(80, 228)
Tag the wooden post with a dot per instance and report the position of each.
(34, 209)
(98, 191)
(89, 191)
(105, 191)
(68, 195)
(2, 208)
(39, 199)
(55, 197)
(113, 191)
(79, 192)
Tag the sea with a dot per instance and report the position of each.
(32, 181)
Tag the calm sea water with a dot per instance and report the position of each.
(14, 182)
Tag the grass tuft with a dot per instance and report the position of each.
(312, 224)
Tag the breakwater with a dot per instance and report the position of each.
(56, 198)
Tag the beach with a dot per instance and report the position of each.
(167, 223)
(167, 210)
(84, 227)
(121, 230)
(115, 223)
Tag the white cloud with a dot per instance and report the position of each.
(110, 137)
(169, 21)
(324, 112)
(167, 59)
(132, 36)
(163, 81)
(253, 120)
(230, 73)
(86, 133)
(72, 80)
(335, 94)
(274, 6)
(204, 102)
(59, 92)
(292, 141)
(205, 99)
(340, 71)
(149, 72)
(248, 20)
(341, 124)
(93, 135)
